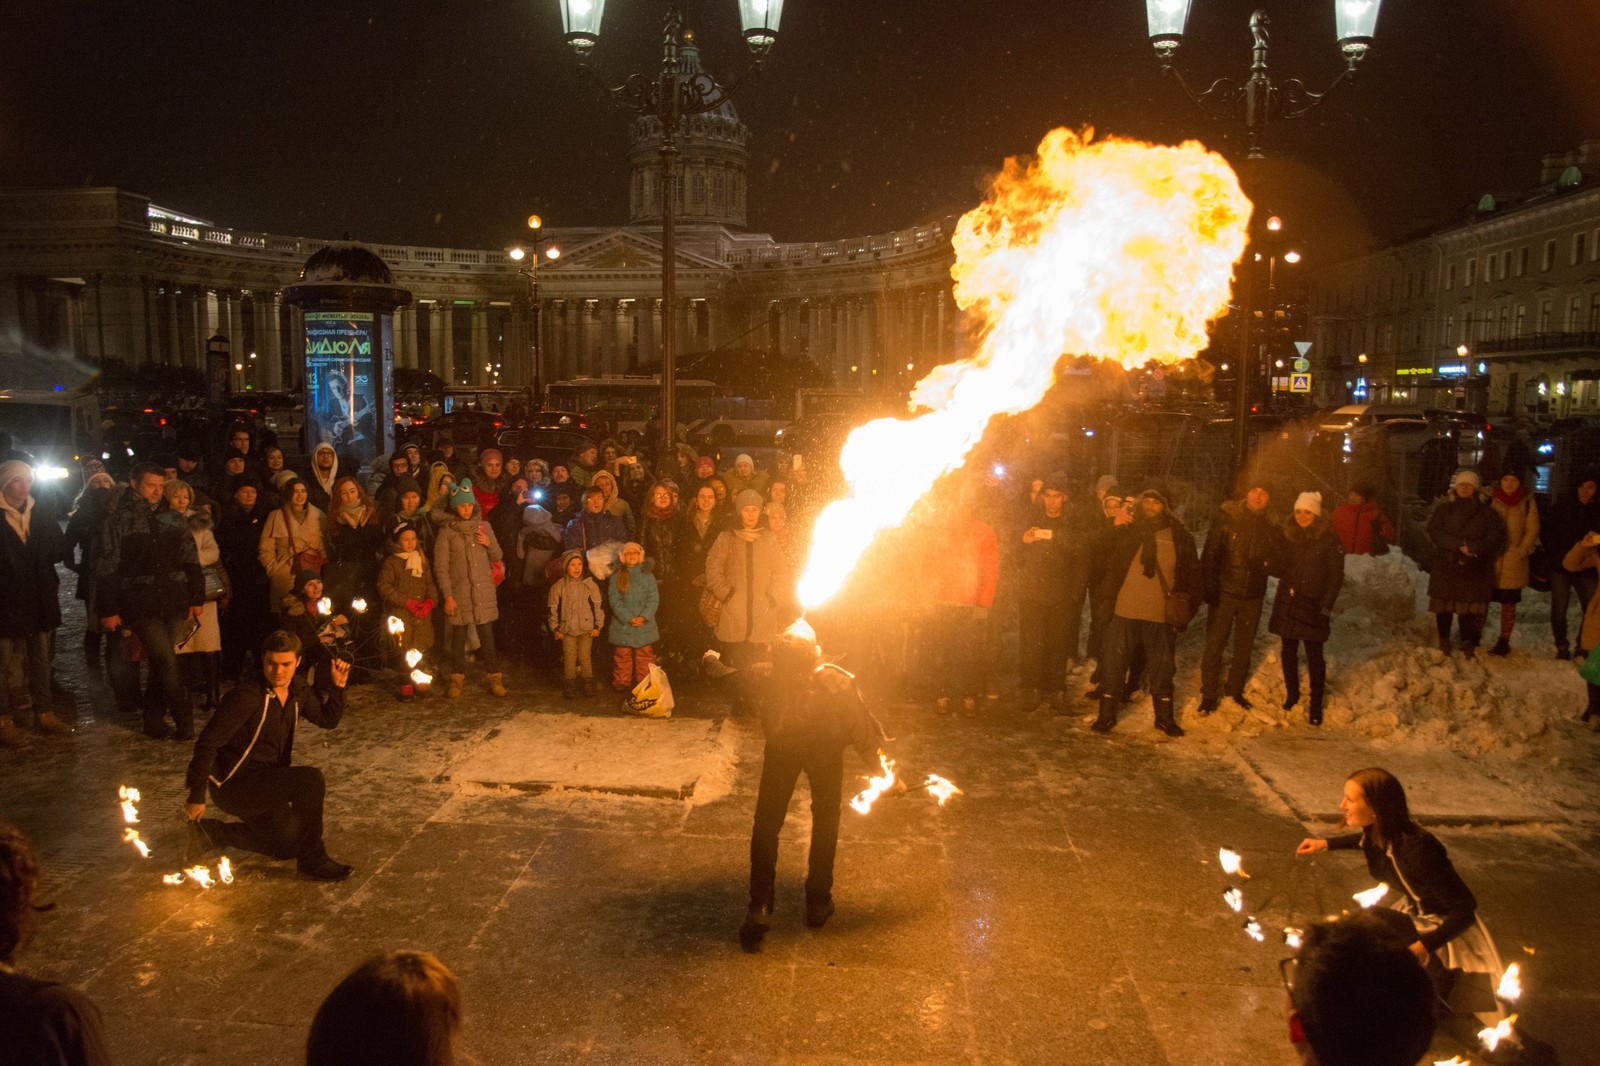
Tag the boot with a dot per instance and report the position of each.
(212, 668)
(818, 911)
(10, 735)
(497, 685)
(1563, 653)
(1315, 714)
(1501, 647)
(1165, 720)
(1208, 704)
(1291, 688)
(458, 683)
(1238, 697)
(1444, 645)
(757, 920)
(586, 685)
(49, 723)
(1106, 720)
(324, 869)
(569, 689)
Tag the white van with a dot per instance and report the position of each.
(59, 429)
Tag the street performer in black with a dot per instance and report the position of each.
(811, 711)
(244, 755)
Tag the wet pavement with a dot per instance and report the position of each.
(1066, 909)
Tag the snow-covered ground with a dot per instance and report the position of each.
(1387, 680)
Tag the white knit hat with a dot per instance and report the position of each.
(1466, 473)
(1309, 501)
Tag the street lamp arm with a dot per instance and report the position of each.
(1224, 99)
(638, 94)
(1293, 99)
(701, 92)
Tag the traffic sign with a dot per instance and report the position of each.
(1299, 382)
(1302, 364)
(1302, 347)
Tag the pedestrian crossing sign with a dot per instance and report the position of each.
(1299, 382)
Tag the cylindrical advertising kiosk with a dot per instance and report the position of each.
(348, 297)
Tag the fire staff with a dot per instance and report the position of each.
(244, 756)
(810, 712)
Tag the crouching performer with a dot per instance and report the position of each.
(810, 711)
(244, 756)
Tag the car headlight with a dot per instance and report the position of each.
(46, 472)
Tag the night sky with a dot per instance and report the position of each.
(446, 122)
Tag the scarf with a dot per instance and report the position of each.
(413, 562)
(1147, 548)
(353, 514)
(1511, 499)
(19, 520)
(749, 536)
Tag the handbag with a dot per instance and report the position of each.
(710, 608)
(216, 582)
(1179, 608)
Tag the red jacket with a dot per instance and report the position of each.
(1354, 526)
(967, 567)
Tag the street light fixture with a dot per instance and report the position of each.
(531, 272)
(1258, 101)
(668, 96)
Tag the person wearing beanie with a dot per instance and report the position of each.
(398, 467)
(31, 543)
(1309, 565)
(463, 562)
(1466, 536)
(1517, 509)
(575, 615)
(1575, 514)
(1233, 568)
(747, 575)
(744, 475)
(1152, 573)
(1048, 581)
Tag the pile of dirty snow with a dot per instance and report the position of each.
(1388, 681)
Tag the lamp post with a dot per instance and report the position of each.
(531, 272)
(1258, 101)
(668, 96)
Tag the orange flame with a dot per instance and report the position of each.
(1113, 249)
(1510, 988)
(1490, 1038)
(862, 802)
(129, 797)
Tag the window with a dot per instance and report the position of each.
(1505, 264)
(1574, 313)
(1449, 329)
(1522, 260)
(1594, 247)
(1472, 273)
(1521, 320)
(1544, 314)
(1450, 277)
(1578, 247)
(1549, 254)
(1503, 331)
(1594, 313)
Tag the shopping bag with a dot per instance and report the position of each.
(652, 697)
(1589, 669)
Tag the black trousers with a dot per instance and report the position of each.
(1316, 666)
(280, 808)
(158, 635)
(1042, 629)
(1243, 617)
(781, 767)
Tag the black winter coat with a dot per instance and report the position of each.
(238, 543)
(1569, 520)
(148, 564)
(248, 728)
(1043, 566)
(83, 537)
(1458, 578)
(692, 548)
(659, 537)
(1309, 565)
(28, 575)
(1120, 547)
(1238, 553)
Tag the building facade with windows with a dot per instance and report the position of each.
(1499, 314)
(88, 274)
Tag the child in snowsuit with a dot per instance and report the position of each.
(406, 585)
(575, 616)
(633, 599)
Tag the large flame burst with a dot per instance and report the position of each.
(1114, 249)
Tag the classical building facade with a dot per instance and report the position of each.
(97, 273)
(1498, 314)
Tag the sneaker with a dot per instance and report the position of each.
(757, 920)
(10, 735)
(818, 911)
(324, 869)
(49, 723)
(1501, 647)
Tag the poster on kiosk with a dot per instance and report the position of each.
(346, 370)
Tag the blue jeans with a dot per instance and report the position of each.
(159, 635)
(25, 665)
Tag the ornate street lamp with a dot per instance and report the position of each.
(531, 272)
(1258, 101)
(668, 96)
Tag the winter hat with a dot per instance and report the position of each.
(747, 498)
(400, 527)
(462, 494)
(1511, 471)
(1104, 484)
(281, 479)
(1156, 490)
(1309, 501)
(227, 457)
(12, 469)
(484, 453)
(1469, 475)
(705, 466)
(403, 485)
(631, 544)
(567, 557)
(1055, 481)
(743, 460)
(240, 481)
(188, 450)
(303, 578)
(91, 467)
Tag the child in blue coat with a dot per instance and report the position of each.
(633, 597)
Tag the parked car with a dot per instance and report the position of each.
(551, 445)
(468, 429)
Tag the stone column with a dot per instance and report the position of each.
(445, 358)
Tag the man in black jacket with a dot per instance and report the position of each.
(1234, 569)
(1148, 560)
(1050, 588)
(31, 544)
(149, 581)
(245, 756)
